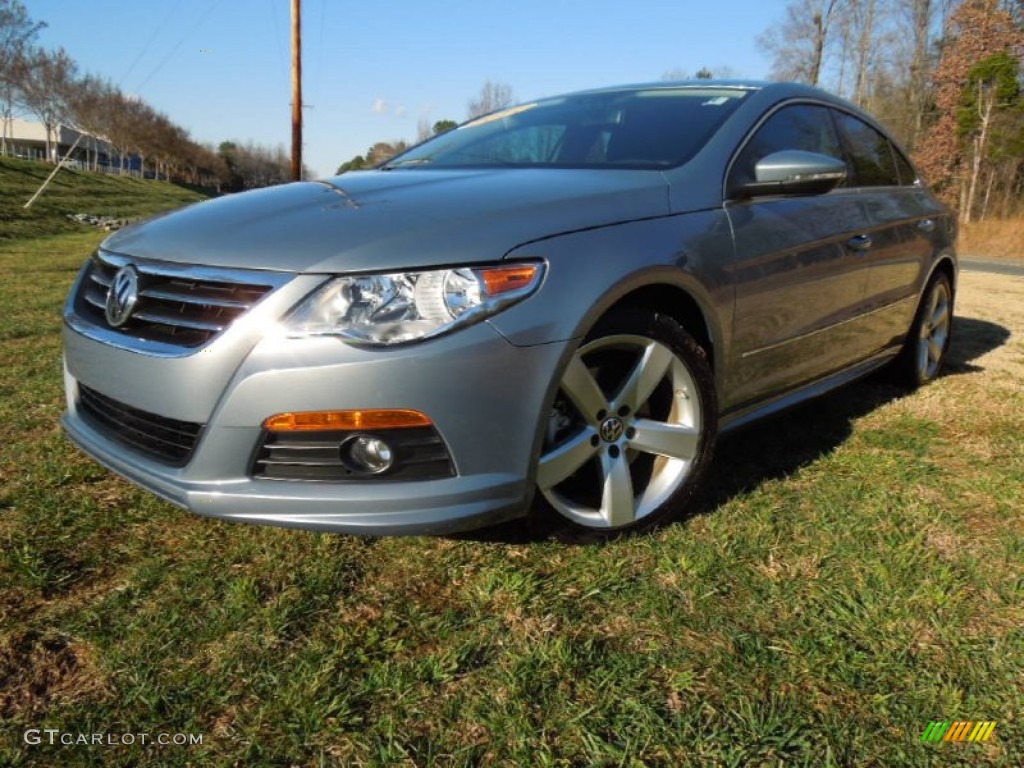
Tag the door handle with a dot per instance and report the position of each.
(926, 225)
(860, 243)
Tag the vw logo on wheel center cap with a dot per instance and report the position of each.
(612, 429)
(122, 296)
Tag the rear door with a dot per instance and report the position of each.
(800, 274)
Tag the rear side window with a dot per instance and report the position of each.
(871, 154)
(907, 173)
(799, 126)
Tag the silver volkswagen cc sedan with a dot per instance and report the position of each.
(551, 310)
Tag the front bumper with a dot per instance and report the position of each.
(485, 396)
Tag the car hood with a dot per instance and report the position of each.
(393, 219)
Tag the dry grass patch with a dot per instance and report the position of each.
(993, 238)
(39, 672)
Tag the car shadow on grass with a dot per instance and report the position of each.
(779, 445)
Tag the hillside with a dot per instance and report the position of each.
(77, 192)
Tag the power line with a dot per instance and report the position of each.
(277, 33)
(145, 48)
(209, 10)
(320, 45)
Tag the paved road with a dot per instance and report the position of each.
(1014, 268)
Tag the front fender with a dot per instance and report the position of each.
(590, 271)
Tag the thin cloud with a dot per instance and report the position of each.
(380, 106)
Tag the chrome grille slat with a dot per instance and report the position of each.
(95, 300)
(186, 298)
(178, 304)
(162, 318)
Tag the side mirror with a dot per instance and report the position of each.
(793, 172)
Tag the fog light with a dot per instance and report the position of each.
(367, 454)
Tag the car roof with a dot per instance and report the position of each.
(769, 91)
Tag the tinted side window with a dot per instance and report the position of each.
(907, 173)
(870, 153)
(800, 126)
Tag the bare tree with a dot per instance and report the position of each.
(492, 96)
(17, 32)
(721, 72)
(676, 74)
(88, 111)
(46, 91)
(798, 48)
(117, 128)
(921, 14)
(252, 165)
(423, 131)
(864, 14)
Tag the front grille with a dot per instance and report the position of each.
(420, 454)
(174, 306)
(167, 440)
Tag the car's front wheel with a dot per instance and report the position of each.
(631, 431)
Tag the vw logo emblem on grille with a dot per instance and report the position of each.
(122, 296)
(611, 429)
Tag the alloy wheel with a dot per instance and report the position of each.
(625, 433)
(934, 333)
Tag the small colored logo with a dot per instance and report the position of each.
(961, 730)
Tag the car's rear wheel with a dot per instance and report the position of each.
(927, 342)
(631, 431)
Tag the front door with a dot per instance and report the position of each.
(800, 269)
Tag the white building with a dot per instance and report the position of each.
(27, 139)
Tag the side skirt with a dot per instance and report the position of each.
(751, 413)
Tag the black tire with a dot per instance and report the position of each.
(631, 433)
(927, 342)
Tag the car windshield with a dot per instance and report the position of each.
(650, 128)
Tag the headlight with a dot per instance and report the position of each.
(410, 306)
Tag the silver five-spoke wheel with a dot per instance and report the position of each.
(629, 427)
(927, 340)
(934, 332)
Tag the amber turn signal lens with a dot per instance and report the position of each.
(501, 280)
(309, 421)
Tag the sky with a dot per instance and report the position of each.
(373, 70)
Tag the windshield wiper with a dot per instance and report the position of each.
(411, 161)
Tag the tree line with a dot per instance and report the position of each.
(47, 84)
(943, 75)
(492, 96)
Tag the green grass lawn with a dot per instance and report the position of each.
(76, 192)
(854, 571)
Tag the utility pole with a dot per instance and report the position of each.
(296, 90)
